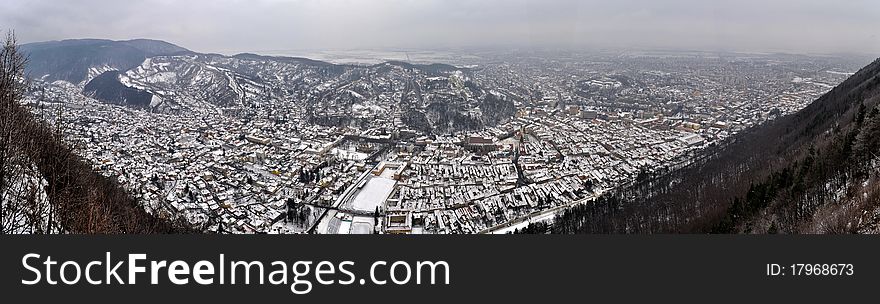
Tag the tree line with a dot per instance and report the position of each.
(45, 186)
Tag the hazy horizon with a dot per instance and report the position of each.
(234, 26)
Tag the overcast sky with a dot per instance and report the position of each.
(229, 26)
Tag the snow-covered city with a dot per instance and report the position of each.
(483, 143)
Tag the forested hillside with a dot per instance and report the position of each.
(45, 187)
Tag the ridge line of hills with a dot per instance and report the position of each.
(161, 77)
(52, 56)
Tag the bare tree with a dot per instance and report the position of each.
(18, 194)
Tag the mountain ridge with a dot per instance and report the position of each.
(79, 60)
(437, 98)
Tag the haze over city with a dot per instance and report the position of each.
(306, 119)
(442, 117)
(252, 26)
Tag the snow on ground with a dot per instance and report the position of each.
(361, 225)
(324, 224)
(368, 108)
(824, 85)
(840, 73)
(347, 154)
(373, 194)
(155, 101)
(546, 217)
(344, 227)
(162, 77)
(18, 208)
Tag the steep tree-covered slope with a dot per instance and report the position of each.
(45, 187)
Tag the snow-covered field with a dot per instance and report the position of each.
(374, 192)
(546, 217)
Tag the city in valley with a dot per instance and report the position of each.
(464, 142)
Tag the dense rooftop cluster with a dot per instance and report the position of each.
(249, 144)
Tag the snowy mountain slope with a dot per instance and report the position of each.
(435, 98)
(79, 60)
